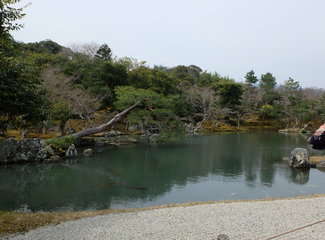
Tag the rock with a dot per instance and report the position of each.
(103, 142)
(299, 157)
(46, 152)
(71, 131)
(320, 164)
(27, 150)
(52, 150)
(223, 237)
(154, 138)
(71, 152)
(49, 150)
(113, 133)
(134, 128)
(88, 152)
(189, 127)
(292, 130)
(126, 141)
(54, 158)
(198, 128)
(42, 154)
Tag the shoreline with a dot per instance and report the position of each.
(19, 222)
(239, 219)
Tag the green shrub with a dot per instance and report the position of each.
(62, 142)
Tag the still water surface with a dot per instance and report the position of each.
(201, 168)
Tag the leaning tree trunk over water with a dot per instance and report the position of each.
(118, 117)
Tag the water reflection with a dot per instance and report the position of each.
(223, 166)
(300, 175)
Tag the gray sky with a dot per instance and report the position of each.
(231, 37)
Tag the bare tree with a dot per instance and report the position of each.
(251, 98)
(130, 63)
(61, 88)
(313, 93)
(205, 102)
(89, 49)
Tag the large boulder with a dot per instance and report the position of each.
(299, 158)
(88, 152)
(27, 150)
(71, 152)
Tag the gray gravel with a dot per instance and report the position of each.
(238, 220)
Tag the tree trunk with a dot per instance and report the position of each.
(238, 121)
(62, 129)
(44, 126)
(24, 133)
(118, 117)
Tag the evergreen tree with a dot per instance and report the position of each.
(251, 78)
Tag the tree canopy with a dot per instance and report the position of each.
(21, 95)
(155, 114)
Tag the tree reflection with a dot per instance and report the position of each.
(138, 173)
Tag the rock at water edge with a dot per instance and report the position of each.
(27, 150)
(299, 157)
(154, 137)
(71, 152)
(88, 152)
(54, 159)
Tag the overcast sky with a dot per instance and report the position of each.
(231, 37)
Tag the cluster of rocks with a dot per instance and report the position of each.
(294, 130)
(32, 150)
(37, 150)
(111, 138)
(26, 150)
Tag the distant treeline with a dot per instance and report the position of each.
(82, 79)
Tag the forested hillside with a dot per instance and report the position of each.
(44, 84)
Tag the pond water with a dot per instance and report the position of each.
(200, 168)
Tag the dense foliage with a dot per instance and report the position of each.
(45, 81)
(22, 99)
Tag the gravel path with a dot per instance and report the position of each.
(238, 220)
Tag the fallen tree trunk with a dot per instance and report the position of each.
(118, 117)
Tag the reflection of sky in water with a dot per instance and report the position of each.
(215, 188)
(204, 168)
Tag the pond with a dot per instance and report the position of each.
(200, 168)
